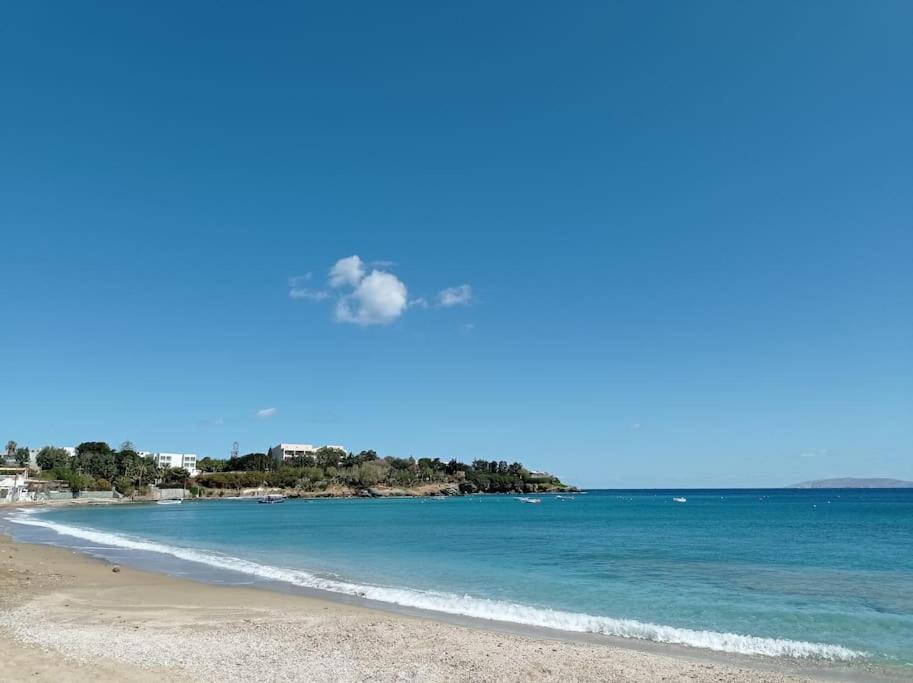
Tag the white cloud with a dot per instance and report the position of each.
(266, 412)
(310, 294)
(296, 280)
(297, 290)
(455, 296)
(347, 271)
(814, 454)
(371, 298)
(379, 299)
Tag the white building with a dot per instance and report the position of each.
(187, 461)
(13, 486)
(287, 451)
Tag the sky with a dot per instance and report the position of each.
(636, 244)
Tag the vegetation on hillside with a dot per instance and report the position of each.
(97, 466)
(329, 468)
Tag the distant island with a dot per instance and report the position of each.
(854, 483)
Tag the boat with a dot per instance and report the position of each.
(169, 501)
(534, 501)
(680, 500)
(271, 498)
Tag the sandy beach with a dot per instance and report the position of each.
(68, 617)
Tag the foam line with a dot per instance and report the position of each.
(469, 606)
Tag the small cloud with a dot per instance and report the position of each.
(298, 290)
(383, 264)
(636, 426)
(310, 294)
(379, 299)
(347, 271)
(266, 412)
(468, 328)
(815, 454)
(296, 280)
(371, 298)
(455, 296)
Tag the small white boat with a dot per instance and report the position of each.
(272, 498)
(169, 501)
(680, 500)
(534, 501)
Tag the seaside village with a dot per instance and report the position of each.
(20, 480)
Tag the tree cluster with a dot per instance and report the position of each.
(328, 467)
(96, 466)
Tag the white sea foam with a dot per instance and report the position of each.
(469, 606)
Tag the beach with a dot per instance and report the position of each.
(68, 617)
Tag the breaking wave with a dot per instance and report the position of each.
(465, 605)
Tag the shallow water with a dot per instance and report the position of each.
(811, 574)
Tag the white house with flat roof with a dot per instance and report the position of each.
(287, 451)
(13, 486)
(187, 461)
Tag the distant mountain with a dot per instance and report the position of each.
(851, 483)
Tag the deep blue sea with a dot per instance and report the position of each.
(801, 573)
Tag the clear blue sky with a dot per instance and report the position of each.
(686, 231)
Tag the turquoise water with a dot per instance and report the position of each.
(816, 574)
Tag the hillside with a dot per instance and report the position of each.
(332, 472)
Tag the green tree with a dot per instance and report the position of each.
(11, 447)
(367, 456)
(93, 447)
(22, 457)
(99, 464)
(78, 482)
(300, 461)
(124, 485)
(252, 462)
(53, 458)
(175, 476)
(208, 464)
(329, 457)
(149, 471)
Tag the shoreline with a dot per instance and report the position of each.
(428, 645)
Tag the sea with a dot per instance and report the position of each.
(813, 575)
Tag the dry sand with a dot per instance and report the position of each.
(68, 617)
